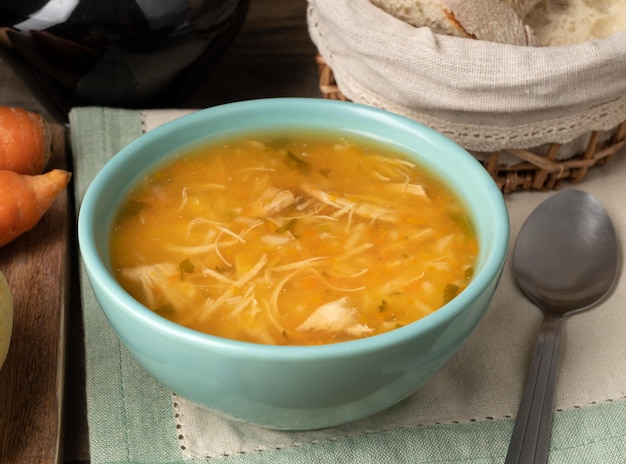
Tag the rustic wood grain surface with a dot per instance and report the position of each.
(42, 393)
(32, 383)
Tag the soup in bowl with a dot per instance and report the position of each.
(293, 263)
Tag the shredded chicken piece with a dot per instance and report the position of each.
(218, 276)
(158, 285)
(408, 189)
(272, 200)
(213, 236)
(336, 316)
(298, 264)
(239, 303)
(243, 280)
(344, 206)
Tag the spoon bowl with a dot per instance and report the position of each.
(566, 254)
(565, 260)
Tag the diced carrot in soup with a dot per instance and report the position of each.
(296, 239)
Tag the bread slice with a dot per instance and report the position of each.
(566, 22)
(492, 20)
(422, 13)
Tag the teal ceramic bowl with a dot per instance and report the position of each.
(281, 387)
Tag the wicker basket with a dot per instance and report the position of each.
(535, 171)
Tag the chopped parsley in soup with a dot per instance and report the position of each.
(292, 239)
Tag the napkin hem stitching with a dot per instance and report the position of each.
(186, 449)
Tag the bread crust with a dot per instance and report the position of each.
(499, 23)
(422, 13)
(492, 20)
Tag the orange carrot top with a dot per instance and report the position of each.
(24, 141)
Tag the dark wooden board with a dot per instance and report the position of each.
(36, 266)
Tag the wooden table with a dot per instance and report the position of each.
(42, 386)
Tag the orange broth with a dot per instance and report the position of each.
(296, 239)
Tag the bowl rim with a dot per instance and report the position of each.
(98, 271)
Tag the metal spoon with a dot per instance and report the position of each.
(566, 259)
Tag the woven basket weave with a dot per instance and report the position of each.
(534, 171)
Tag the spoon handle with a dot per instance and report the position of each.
(531, 434)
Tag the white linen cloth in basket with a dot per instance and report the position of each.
(484, 95)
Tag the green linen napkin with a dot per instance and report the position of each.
(464, 415)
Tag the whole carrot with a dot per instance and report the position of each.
(24, 200)
(24, 141)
